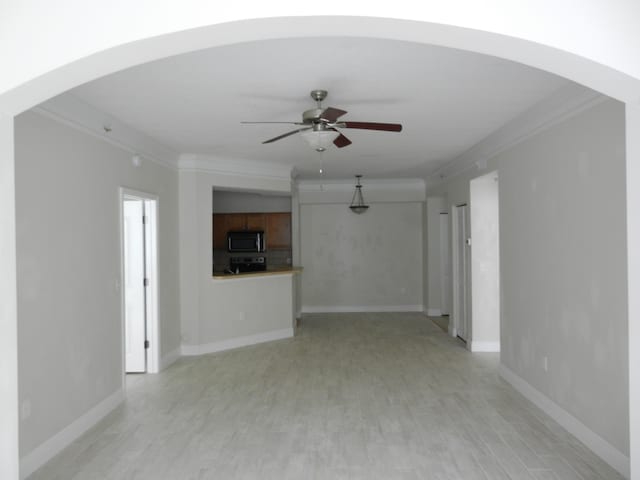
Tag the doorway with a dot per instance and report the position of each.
(445, 265)
(461, 325)
(139, 282)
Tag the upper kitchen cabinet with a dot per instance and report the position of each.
(255, 221)
(277, 228)
(219, 230)
(278, 231)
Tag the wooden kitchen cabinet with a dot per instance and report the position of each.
(219, 231)
(235, 222)
(278, 231)
(255, 221)
(277, 228)
(226, 222)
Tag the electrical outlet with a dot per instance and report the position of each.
(242, 315)
(545, 363)
(25, 409)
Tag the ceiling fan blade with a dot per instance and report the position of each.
(286, 134)
(387, 127)
(332, 114)
(287, 123)
(342, 141)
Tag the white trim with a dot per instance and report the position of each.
(170, 358)
(433, 312)
(73, 112)
(50, 448)
(591, 439)
(558, 107)
(362, 308)
(342, 185)
(632, 127)
(189, 350)
(485, 346)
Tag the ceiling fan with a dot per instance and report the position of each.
(320, 125)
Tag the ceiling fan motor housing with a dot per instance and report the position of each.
(313, 115)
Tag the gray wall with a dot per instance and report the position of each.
(243, 202)
(369, 260)
(68, 237)
(563, 265)
(212, 309)
(562, 209)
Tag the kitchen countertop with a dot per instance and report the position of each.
(268, 272)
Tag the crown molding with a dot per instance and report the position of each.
(75, 113)
(348, 184)
(374, 190)
(565, 103)
(193, 162)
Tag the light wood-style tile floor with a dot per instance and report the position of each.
(352, 396)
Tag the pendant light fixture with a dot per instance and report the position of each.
(357, 202)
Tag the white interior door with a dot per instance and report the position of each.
(134, 285)
(462, 274)
(445, 265)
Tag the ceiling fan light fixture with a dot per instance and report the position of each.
(319, 140)
(357, 202)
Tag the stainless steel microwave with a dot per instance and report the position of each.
(246, 241)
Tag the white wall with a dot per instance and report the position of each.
(563, 266)
(211, 309)
(9, 451)
(240, 202)
(545, 34)
(68, 256)
(485, 263)
(361, 262)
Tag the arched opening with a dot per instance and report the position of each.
(599, 77)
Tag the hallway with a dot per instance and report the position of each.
(356, 396)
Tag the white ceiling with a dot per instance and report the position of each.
(447, 100)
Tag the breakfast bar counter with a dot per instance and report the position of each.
(266, 273)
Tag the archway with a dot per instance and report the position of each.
(585, 63)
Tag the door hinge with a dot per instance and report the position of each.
(144, 219)
(146, 344)
(145, 282)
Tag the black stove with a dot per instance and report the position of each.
(247, 264)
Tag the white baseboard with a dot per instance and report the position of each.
(50, 448)
(237, 342)
(169, 358)
(362, 308)
(433, 312)
(591, 439)
(485, 346)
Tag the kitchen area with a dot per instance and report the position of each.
(251, 234)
